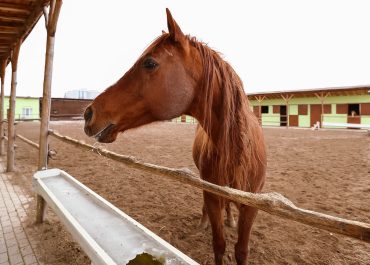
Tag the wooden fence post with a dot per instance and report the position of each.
(322, 96)
(260, 99)
(11, 132)
(51, 23)
(287, 98)
(3, 67)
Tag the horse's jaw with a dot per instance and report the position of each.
(108, 134)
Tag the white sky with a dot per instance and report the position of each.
(273, 45)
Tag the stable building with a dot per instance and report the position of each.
(26, 108)
(67, 108)
(305, 108)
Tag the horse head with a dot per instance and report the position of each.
(159, 86)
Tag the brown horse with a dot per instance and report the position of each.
(179, 75)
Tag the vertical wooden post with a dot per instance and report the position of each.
(11, 131)
(287, 99)
(322, 96)
(260, 99)
(3, 67)
(51, 24)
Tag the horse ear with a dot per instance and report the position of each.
(174, 29)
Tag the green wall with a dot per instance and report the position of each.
(271, 119)
(189, 119)
(20, 104)
(315, 100)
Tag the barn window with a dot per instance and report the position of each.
(276, 109)
(353, 109)
(26, 112)
(302, 109)
(265, 109)
(327, 109)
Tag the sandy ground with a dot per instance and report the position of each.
(326, 171)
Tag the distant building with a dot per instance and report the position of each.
(29, 108)
(81, 94)
(304, 108)
(26, 108)
(68, 108)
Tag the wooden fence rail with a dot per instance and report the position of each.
(273, 203)
(24, 139)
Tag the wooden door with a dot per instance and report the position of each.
(293, 120)
(283, 116)
(315, 115)
(354, 119)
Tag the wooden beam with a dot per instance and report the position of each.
(11, 130)
(260, 99)
(54, 10)
(5, 39)
(287, 98)
(15, 8)
(10, 19)
(31, 17)
(322, 96)
(8, 29)
(272, 203)
(54, 16)
(28, 141)
(13, 15)
(9, 34)
(55, 6)
(2, 73)
(46, 16)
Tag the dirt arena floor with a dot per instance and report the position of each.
(325, 171)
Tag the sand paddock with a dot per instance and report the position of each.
(325, 171)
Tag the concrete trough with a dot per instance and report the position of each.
(107, 235)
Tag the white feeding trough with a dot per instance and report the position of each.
(107, 235)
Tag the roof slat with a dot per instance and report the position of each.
(17, 7)
(9, 29)
(11, 21)
(17, 18)
(334, 91)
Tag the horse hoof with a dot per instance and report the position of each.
(203, 225)
(231, 223)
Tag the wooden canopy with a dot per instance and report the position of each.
(17, 19)
(334, 91)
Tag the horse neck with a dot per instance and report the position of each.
(220, 111)
(221, 101)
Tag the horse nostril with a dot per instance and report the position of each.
(88, 114)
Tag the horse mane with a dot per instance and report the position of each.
(239, 146)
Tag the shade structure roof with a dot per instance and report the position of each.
(333, 91)
(17, 19)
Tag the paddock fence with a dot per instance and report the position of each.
(272, 203)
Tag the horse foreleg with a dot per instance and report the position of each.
(246, 218)
(203, 224)
(214, 206)
(230, 221)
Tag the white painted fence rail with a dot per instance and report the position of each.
(105, 233)
(346, 125)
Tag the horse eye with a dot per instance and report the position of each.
(150, 64)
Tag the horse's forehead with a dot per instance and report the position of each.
(166, 46)
(159, 49)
